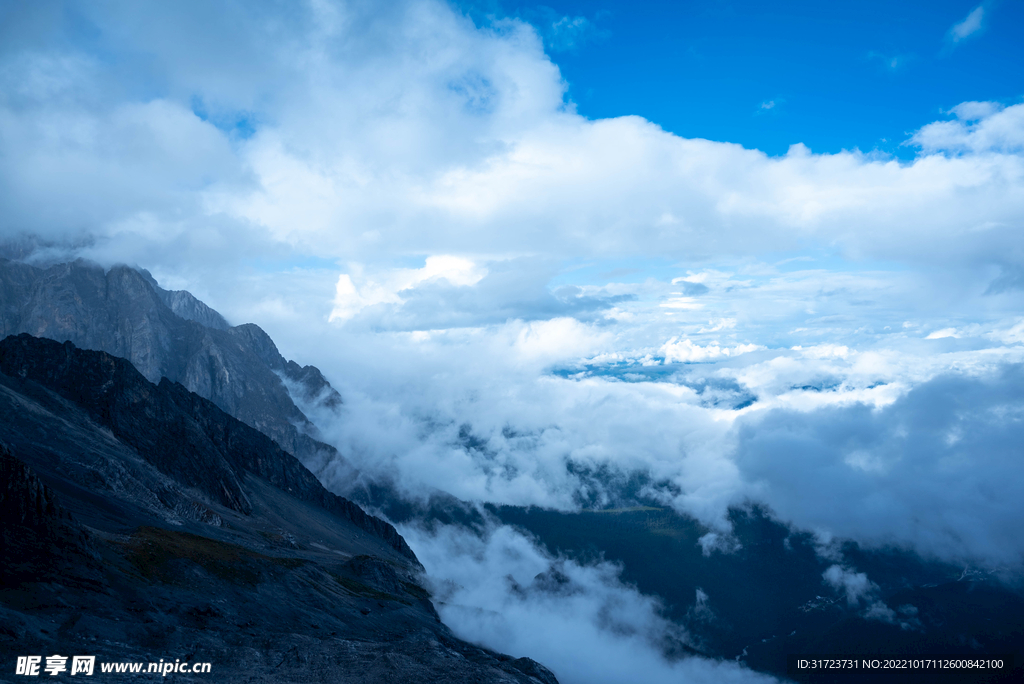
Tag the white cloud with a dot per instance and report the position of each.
(980, 128)
(457, 292)
(350, 300)
(940, 334)
(970, 25)
(566, 33)
(406, 130)
(685, 351)
(974, 111)
(581, 621)
(1013, 335)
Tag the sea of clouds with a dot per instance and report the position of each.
(501, 289)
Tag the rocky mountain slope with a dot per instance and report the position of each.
(141, 522)
(169, 334)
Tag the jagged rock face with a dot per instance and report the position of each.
(169, 334)
(181, 434)
(140, 522)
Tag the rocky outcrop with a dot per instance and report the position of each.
(310, 384)
(169, 334)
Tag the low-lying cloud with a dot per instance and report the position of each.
(500, 589)
(938, 470)
(882, 446)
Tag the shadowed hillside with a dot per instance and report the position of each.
(141, 522)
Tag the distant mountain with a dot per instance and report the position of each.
(766, 599)
(171, 334)
(140, 522)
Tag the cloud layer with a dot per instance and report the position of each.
(354, 131)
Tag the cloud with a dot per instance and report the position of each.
(567, 33)
(935, 470)
(940, 334)
(975, 111)
(770, 106)
(375, 133)
(908, 445)
(858, 590)
(971, 25)
(979, 128)
(452, 292)
(855, 585)
(501, 590)
(452, 270)
(685, 351)
(563, 32)
(475, 412)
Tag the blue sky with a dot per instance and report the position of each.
(750, 220)
(766, 75)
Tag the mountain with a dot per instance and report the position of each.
(139, 521)
(766, 598)
(171, 334)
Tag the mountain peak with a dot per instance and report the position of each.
(163, 333)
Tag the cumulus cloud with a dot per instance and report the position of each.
(474, 413)
(353, 131)
(979, 127)
(874, 445)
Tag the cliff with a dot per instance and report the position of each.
(169, 334)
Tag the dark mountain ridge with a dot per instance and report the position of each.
(141, 522)
(184, 436)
